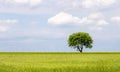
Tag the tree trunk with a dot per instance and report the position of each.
(80, 48)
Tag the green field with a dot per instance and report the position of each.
(60, 62)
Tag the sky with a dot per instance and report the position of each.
(45, 25)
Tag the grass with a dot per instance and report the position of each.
(60, 62)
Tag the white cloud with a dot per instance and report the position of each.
(97, 15)
(88, 3)
(95, 28)
(97, 3)
(8, 21)
(23, 7)
(116, 19)
(85, 20)
(63, 18)
(19, 1)
(5, 24)
(99, 25)
(35, 2)
(4, 28)
(94, 20)
(23, 2)
(48, 6)
(102, 22)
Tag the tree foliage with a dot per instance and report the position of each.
(79, 40)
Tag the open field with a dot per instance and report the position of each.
(60, 62)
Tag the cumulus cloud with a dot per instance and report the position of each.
(97, 3)
(94, 19)
(63, 18)
(115, 19)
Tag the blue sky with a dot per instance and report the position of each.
(45, 25)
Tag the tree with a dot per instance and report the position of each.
(79, 40)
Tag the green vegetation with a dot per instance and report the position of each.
(79, 40)
(60, 62)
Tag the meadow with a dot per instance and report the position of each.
(59, 62)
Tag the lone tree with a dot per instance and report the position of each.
(79, 40)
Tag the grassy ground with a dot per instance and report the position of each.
(60, 62)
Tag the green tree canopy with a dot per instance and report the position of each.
(79, 40)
